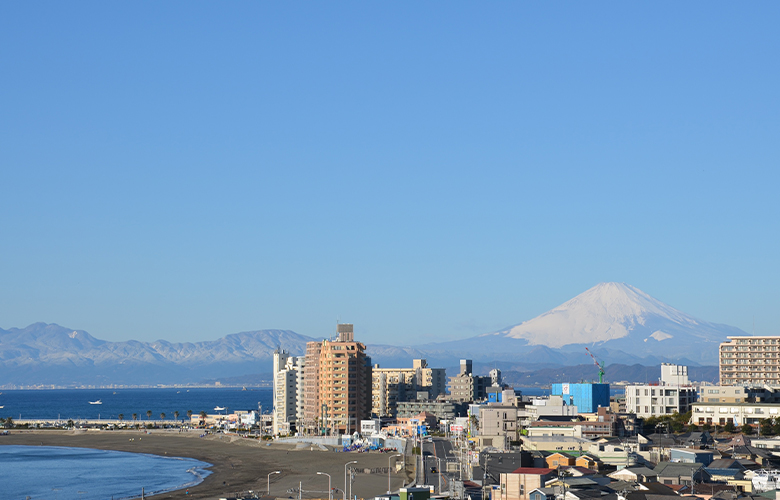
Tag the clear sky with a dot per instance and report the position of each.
(425, 170)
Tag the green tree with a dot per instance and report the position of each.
(121, 416)
(70, 424)
(135, 417)
(189, 414)
(162, 416)
(747, 429)
(176, 415)
(729, 427)
(766, 427)
(706, 427)
(148, 414)
(9, 423)
(203, 414)
(693, 428)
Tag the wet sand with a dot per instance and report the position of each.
(238, 464)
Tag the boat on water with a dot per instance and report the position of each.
(98, 402)
(243, 388)
(220, 408)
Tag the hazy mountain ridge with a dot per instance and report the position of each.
(619, 323)
(51, 354)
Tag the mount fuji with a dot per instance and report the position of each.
(622, 323)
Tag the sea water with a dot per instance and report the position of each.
(50, 472)
(75, 404)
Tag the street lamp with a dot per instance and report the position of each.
(388, 471)
(330, 491)
(345, 479)
(269, 480)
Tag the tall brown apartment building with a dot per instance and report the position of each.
(750, 360)
(337, 384)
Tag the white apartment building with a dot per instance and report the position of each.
(673, 393)
(750, 360)
(288, 391)
(737, 413)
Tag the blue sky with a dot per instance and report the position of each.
(185, 170)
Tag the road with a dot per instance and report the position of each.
(439, 448)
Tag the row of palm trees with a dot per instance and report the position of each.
(121, 416)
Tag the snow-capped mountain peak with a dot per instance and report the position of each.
(607, 312)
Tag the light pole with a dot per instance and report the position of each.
(388, 471)
(345, 479)
(269, 481)
(330, 491)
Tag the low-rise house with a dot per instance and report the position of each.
(587, 462)
(680, 473)
(635, 475)
(691, 456)
(518, 484)
(556, 460)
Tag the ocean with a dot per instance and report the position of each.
(49, 472)
(64, 404)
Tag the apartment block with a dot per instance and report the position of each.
(288, 391)
(389, 386)
(337, 384)
(750, 360)
(466, 386)
(736, 413)
(672, 394)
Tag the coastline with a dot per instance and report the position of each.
(238, 464)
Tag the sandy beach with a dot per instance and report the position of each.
(239, 464)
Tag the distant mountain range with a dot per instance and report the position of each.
(619, 323)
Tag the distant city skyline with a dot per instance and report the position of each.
(184, 171)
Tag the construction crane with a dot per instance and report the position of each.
(599, 365)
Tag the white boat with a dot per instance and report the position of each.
(220, 408)
(98, 402)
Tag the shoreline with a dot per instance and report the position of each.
(238, 464)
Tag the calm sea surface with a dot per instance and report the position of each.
(74, 403)
(49, 472)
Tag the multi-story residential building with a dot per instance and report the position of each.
(722, 394)
(392, 385)
(673, 394)
(587, 397)
(288, 391)
(442, 410)
(736, 413)
(466, 386)
(498, 425)
(750, 360)
(337, 383)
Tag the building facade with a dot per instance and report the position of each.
(588, 398)
(288, 391)
(389, 386)
(736, 413)
(750, 360)
(337, 384)
(466, 386)
(672, 394)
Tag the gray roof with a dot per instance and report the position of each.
(640, 471)
(676, 469)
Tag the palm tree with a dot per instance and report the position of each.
(135, 416)
(203, 414)
(176, 414)
(189, 414)
(121, 416)
(148, 414)
(162, 416)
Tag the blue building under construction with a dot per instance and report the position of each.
(587, 397)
